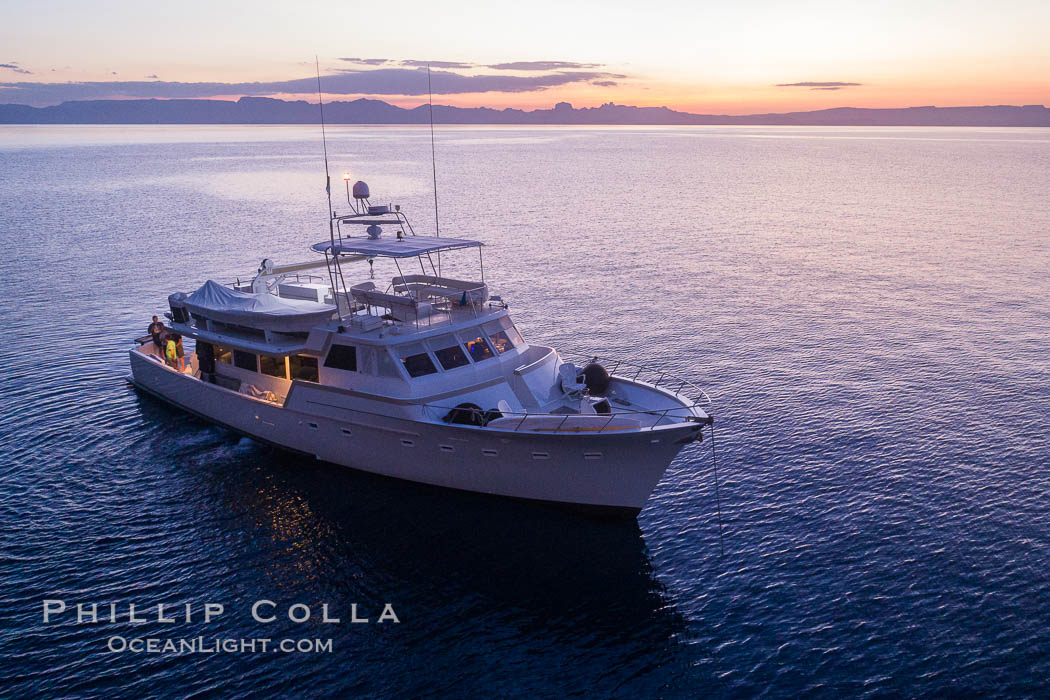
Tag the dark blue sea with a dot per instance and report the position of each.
(868, 308)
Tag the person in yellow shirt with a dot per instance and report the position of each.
(170, 351)
(173, 352)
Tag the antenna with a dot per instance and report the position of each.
(334, 271)
(433, 156)
(324, 142)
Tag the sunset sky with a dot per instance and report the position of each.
(727, 57)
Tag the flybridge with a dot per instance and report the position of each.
(407, 247)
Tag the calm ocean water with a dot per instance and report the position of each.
(868, 308)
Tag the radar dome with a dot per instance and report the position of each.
(360, 190)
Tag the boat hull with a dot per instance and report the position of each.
(607, 474)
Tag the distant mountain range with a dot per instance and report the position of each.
(264, 110)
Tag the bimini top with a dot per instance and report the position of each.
(407, 247)
(264, 311)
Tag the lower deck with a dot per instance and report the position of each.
(614, 470)
(529, 398)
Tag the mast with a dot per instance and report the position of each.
(433, 154)
(336, 272)
(433, 163)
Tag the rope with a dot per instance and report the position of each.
(718, 498)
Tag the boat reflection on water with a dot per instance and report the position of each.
(367, 538)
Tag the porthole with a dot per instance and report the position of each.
(541, 455)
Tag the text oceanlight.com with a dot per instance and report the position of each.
(202, 645)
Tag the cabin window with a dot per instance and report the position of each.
(302, 367)
(449, 352)
(223, 354)
(415, 359)
(342, 357)
(245, 360)
(479, 350)
(273, 366)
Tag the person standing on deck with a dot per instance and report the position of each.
(157, 329)
(179, 352)
(170, 352)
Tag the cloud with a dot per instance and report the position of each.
(382, 81)
(820, 85)
(605, 83)
(13, 66)
(436, 64)
(367, 61)
(153, 77)
(544, 65)
(835, 87)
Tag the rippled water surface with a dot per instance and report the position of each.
(868, 308)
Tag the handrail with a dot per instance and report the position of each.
(664, 379)
(661, 415)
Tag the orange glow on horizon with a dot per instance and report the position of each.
(727, 100)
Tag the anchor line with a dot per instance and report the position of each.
(718, 498)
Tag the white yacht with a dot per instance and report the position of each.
(419, 376)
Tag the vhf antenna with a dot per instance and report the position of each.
(433, 163)
(332, 273)
(324, 143)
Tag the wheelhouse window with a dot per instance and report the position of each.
(303, 367)
(415, 359)
(245, 360)
(342, 357)
(477, 347)
(503, 335)
(273, 366)
(449, 352)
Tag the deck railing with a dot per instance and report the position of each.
(272, 282)
(652, 418)
(653, 376)
(632, 372)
